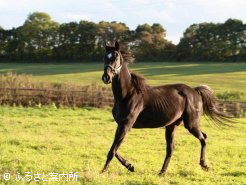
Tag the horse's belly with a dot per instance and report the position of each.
(155, 119)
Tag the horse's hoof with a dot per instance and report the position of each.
(162, 173)
(205, 168)
(204, 165)
(130, 168)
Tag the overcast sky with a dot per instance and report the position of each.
(174, 15)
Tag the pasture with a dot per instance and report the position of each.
(77, 140)
(47, 139)
(222, 77)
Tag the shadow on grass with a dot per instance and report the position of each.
(183, 69)
(146, 69)
(50, 69)
(234, 174)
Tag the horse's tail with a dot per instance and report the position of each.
(210, 108)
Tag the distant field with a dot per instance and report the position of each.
(220, 76)
(47, 140)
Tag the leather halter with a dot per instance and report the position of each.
(115, 70)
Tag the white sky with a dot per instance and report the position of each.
(174, 15)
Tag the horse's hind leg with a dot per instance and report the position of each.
(203, 149)
(193, 126)
(170, 131)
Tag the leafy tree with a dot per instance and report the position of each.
(2, 43)
(39, 35)
(111, 31)
(10, 44)
(67, 41)
(87, 41)
(233, 33)
(150, 42)
(209, 41)
(76, 40)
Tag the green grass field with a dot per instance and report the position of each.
(77, 140)
(47, 140)
(220, 76)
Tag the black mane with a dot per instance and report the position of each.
(138, 82)
(127, 56)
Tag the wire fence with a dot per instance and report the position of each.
(81, 98)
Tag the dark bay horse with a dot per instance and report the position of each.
(137, 105)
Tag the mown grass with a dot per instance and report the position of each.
(77, 140)
(226, 78)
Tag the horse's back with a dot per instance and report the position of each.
(162, 105)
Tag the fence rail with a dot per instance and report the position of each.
(87, 97)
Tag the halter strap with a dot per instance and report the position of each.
(115, 70)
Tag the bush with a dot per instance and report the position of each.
(231, 95)
(23, 90)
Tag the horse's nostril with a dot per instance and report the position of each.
(106, 78)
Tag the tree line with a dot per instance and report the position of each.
(210, 41)
(41, 38)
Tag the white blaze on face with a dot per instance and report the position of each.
(110, 55)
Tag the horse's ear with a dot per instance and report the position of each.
(107, 48)
(117, 46)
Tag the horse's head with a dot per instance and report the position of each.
(112, 63)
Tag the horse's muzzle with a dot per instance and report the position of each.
(106, 78)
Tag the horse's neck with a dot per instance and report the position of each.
(122, 83)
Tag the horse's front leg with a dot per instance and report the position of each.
(124, 162)
(120, 134)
